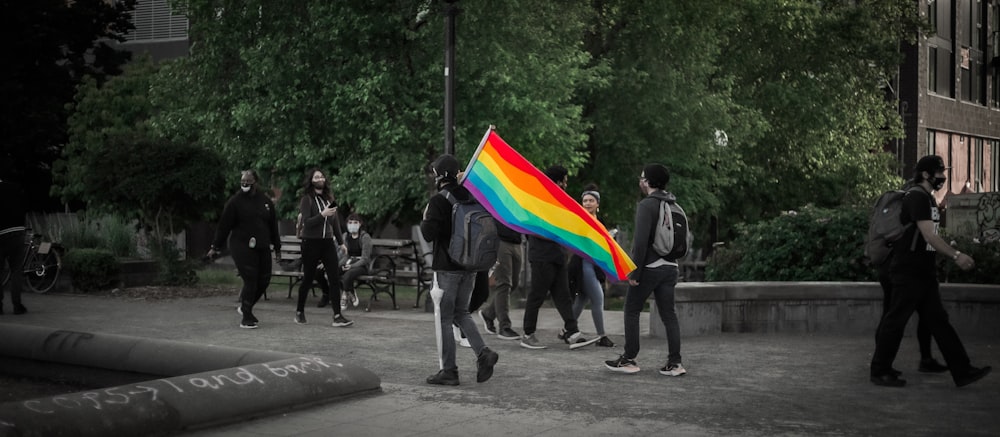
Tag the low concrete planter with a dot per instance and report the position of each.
(850, 308)
(135, 272)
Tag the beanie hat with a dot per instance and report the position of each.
(445, 167)
(930, 164)
(557, 173)
(657, 176)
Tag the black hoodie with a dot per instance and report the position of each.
(647, 213)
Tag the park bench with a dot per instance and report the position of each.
(394, 262)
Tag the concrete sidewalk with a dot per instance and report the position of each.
(738, 384)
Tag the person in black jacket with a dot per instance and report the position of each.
(549, 274)
(12, 248)
(250, 223)
(456, 282)
(653, 275)
(321, 239)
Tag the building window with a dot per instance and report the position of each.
(154, 21)
(940, 57)
(971, 53)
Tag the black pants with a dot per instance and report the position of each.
(545, 278)
(254, 266)
(917, 291)
(315, 250)
(923, 332)
(12, 251)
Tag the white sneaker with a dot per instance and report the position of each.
(343, 303)
(673, 370)
(462, 341)
(577, 340)
(354, 299)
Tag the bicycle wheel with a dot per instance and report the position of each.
(43, 271)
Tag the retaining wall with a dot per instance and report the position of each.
(849, 308)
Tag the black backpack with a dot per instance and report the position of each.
(474, 239)
(886, 226)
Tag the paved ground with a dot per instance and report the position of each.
(739, 384)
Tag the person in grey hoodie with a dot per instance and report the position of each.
(654, 275)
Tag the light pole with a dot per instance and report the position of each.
(450, 12)
(721, 141)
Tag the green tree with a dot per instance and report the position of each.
(54, 44)
(817, 72)
(356, 88)
(115, 163)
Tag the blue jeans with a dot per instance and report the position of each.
(592, 291)
(659, 282)
(457, 286)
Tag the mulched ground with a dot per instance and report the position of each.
(155, 292)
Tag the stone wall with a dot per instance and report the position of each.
(850, 308)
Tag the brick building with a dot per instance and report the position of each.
(949, 94)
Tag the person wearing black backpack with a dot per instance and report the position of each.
(455, 280)
(654, 275)
(915, 285)
(927, 362)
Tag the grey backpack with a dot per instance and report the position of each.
(474, 238)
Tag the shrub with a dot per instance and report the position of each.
(111, 232)
(986, 255)
(817, 244)
(174, 270)
(92, 269)
(814, 244)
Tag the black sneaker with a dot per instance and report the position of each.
(339, 321)
(488, 325)
(444, 377)
(675, 369)
(932, 366)
(508, 334)
(972, 375)
(248, 324)
(323, 301)
(604, 341)
(19, 309)
(622, 365)
(484, 364)
(300, 317)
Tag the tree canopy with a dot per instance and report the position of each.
(756, 106)
(53, 45)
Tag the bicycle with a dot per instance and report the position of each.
(42, 264)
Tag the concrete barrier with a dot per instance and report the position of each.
(198, 386)
(850, 308)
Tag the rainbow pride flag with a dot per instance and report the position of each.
(523, 198)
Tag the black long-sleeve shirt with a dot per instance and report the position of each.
(248, 215)
(436, 226)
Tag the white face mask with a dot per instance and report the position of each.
(246, 188)
(353, 227)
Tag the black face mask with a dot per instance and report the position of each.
(319, 185)
(937, 183)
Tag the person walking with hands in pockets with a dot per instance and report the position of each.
(321, 239)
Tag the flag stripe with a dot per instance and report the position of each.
(523, 198)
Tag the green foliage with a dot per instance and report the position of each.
(813, 244)
(92, 269)
(358, 91)
(174, 268)
(986, 256)
(108, 232)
